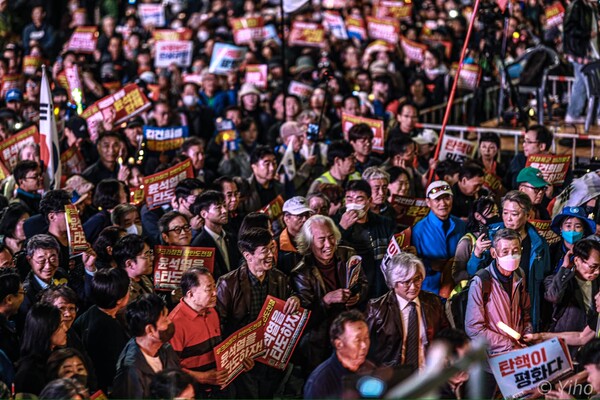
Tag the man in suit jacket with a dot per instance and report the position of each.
(405, 320)
(211, 207)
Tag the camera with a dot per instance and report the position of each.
(312, 132)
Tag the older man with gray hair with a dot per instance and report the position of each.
(405, 320)
(321, 282)
(379, 181)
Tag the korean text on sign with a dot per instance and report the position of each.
(170, 262)
(160, 187)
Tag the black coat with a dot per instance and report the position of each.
(203, 239)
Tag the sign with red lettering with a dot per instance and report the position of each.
(412, 50)
(159, 188)
(246, 30)
(409, 211)
(9, 148)
(274, 209)
(301, 90)
(247, 342)
(355, 26)
(72, 161)
(226, 58)
(520, 371)
(398, 243)
(555, 14)
(152, 15)
(281, 332)
(257, 74)
(493, 183)
(10, 81)
(170, 262)
(172, 34)
(120, 106)
(554, 168)
(376, 125)
(457, 149)
(387, 29)
(178, 52)
(334, 24)
(469, 76)
(77, 241)
(307, 34)
(31, 64)
(333, 4)
(394, 9)
(543, 228)
(83, 39)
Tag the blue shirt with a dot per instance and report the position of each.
(433, 243)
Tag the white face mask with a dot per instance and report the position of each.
(357, 207)
(134, 229)
(190, 100)
(510, 262)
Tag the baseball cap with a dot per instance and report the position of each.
(78, 126)
(296, 206)
(428, 136)
(14, 95)
(290, 128)
(438, 188)
(134, 123)
(532, 176)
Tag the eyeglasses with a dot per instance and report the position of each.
(147, 254)
(178, 229)
(444, 188)
(305, 215)
(68, 309)
(417, 281)
(536, 190)
(52, 260)
(34, 177)
(530, 141)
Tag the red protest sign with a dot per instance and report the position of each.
(409, 211)
(256, 74)
(124, 104)
(355, 26)
(386, 29)
(170, 262)
(555, 14)
(159, 188)
(543, 228)
(493, 183)
(398, 242)
(376, 125)
(554, 168)
(77, 241)
(274, 209)
(300, 89)
(9, 148)
(470, 74)
(72, 161)
(247, 342)
(246, 30)
(333, 4)
(281, 332)
(172, 34)
(31, 64)
(394, 9)
(412, 50)
(307, 34)
(83, 39)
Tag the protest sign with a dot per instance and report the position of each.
(170, 262)
(281, 332)
(159, 188)
(300, 89)
(274, 209)
(247, 342)
(77, 241)
(554, 168)
(493, 183)
(83, 40)
(172, 34)
(409, 211)
(74, 86)
(457, 149)
(414, 51)
(9, 148)
(193, 78)
(387, 29)
(333, 4)
(394, 9)
(543, 228)
(270, 32)
(10, 81)
(72, 161)
(355, 26)
(555, 14)
(376, 125)
(165, 139)
(124, 104)
(257, 74)
(31, 64)
(4, 172)
(398, 242)
(334, 24)
(151, 15)
(226, 58)
(178, 52)
(246, 30)
(470, 75)
(520, 371)
(307, 34)
(227, 133)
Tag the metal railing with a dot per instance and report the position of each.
(461, 108)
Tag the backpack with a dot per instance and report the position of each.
(456, 306)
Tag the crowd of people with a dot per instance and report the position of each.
(73, 323)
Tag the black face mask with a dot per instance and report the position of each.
(492, 220)
(83, 379)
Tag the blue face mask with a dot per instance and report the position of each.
(571, 236)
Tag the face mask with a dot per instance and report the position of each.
(357, 207)
(190, 100)
(203, 36)
(81, 379)
(492, 220)
(572, 237)
(167, 334)
(133, 229)
(510, 262)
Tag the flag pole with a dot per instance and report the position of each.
(453, 91)
(283, 61)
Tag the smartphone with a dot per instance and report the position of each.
(486, 232)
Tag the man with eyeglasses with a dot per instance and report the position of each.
(211, 206)
(132, 254)
(404, 321)
(342, 166)
(295, 214)
(28, 175)
(435, 238)
(507, 301)
(532, 183)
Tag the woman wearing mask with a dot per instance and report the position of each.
(127, 217)
(571, 225)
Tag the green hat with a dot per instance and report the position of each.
(532, 176)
